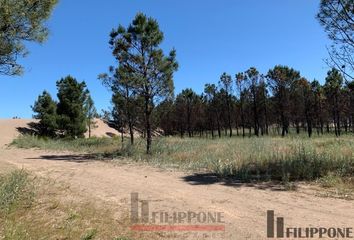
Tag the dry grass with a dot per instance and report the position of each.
(337, 187)
(267, 158)
(55, 212)
(87, 145)
(293, 158)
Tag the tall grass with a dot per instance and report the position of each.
(267, 158)
(15, 189)
(78, 145)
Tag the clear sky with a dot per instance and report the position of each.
(210, 36)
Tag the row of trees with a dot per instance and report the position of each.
(250, 103)
(142, 87)
(142, 82)
(253, 103)
(70, 116)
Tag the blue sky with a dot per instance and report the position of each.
(210, 36)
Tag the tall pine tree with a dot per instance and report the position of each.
(145, 66)
(45, 110)
(71, 109)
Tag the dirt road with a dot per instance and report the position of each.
(243, 207)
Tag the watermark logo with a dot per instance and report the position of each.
(277, 229)
(164, 221)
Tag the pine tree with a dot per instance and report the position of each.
(91, 114)
(127, 104)
(333, 87)
(281, 79)
(21, 21)
(226, 87)
(252, 79)
(150, 72)
(71, 110)
(45, 109)
(240, 83)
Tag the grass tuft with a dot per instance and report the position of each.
(15, 189)
(89, 235)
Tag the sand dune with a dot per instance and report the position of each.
(102, 129)
(11, 128)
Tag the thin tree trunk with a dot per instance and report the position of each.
(212, 127)
(218, 125)
(148, 125)
(131, 131)
(242, 120)
(297, 127)
(122, 135)
(283, 125)
(89, 128)
(229, 117)
(255, 113)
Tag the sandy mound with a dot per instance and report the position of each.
(11, 128)
(102, 129)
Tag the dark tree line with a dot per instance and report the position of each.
(251, 103)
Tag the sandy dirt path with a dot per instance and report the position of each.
(244, 207)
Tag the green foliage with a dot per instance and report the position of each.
(45, 109)
(187, 103)
(334, 81)
(333, 90)
(21, 20)
(143, 69)
(70, 116)
(281, 79)
(71, 110)
(226, 92)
